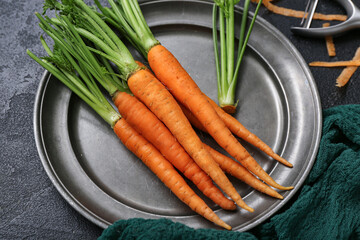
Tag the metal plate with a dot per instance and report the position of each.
(278, 101)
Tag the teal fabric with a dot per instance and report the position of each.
(327, 207)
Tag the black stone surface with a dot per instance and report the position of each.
(30, 207)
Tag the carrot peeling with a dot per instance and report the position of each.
(347, 73)
(300, 14)
(351, 63)
(330, 43)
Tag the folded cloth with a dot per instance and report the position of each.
(328, 206)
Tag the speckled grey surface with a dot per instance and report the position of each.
(30, 207)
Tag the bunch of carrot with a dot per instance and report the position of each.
(156, 109)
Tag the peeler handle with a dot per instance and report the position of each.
(352, 22)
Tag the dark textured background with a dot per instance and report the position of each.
(30, 207)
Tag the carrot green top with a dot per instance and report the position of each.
(62, 66)
(126, 16)
(80, 25)
(226, 68)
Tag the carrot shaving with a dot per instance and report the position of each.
(329, 43)
(300, 14)
(347, 73)
(351, 63)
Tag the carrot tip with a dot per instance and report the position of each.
(248, 208)
(288, 165)
(230, 208)
(226, 226)
(287, 188)
(279, 196)
(282, 160)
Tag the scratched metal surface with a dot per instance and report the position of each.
(30, 206)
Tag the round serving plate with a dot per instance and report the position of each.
(278, 101)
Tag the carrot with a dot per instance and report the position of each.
(151, 128)
(347, 73)
(330, 46)
(169, 71)
(237, 170)
(300, 14)
(164, 171)
(158, 99)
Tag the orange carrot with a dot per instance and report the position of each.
(164, 171)
(159, 100)
(152, 129)
(237, 170)
(170, 72)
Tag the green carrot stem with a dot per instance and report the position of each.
(243, 26)
(45, 46)
(231, 41)
(115, 15)
(232, 87)
(120, 45)
(216, 49)
(135, 19)
(228, 70)
(224, 83)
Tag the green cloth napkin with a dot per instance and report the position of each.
(328, 206)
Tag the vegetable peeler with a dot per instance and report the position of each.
(352, 22)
